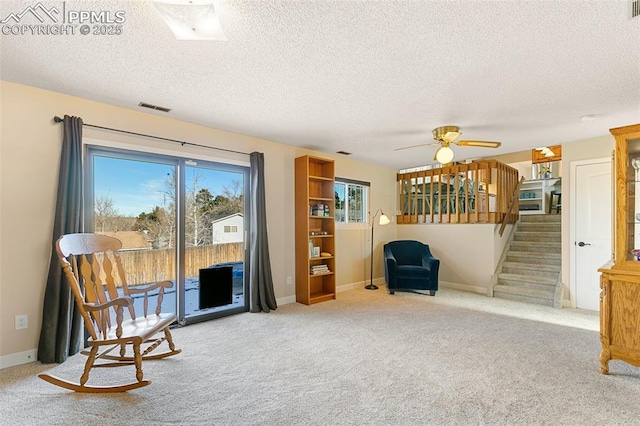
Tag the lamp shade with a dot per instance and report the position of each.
(384, 219)
(444, 155)
(191, 19)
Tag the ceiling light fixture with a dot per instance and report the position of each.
(444, 155)
(191, 19)
(546, 151)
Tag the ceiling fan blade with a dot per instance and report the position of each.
(416, 146)
(484, 144)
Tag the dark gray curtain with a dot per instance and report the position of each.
(262, 296)
(60, 335)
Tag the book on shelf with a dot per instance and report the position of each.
(319, 269)
(319, 210)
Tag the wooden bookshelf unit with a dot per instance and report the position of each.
(315, 230)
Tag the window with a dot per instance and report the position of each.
(228, 229)
(351, 201)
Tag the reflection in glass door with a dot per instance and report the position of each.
(178, 220)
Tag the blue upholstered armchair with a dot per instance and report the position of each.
(409, 265)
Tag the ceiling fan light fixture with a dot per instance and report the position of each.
(191, 19)
(444, 155)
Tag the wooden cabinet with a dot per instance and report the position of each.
(315, 230)
(620, 279)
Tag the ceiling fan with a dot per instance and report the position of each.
(447, 135)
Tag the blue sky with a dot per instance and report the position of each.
(137, 186)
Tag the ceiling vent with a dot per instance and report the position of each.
(343, 152)
(635, 8)
(151, 106)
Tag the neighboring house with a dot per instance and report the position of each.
(228, 229)
(131, 240)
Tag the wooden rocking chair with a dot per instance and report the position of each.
(92, 263)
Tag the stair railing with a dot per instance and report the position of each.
(512, 203)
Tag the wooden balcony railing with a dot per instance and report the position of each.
(477, 192)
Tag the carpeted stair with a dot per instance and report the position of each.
(531, 268)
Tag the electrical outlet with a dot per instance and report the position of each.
(22, 322)
(289, 280)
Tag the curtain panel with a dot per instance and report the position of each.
(60, 334)
(261, 281)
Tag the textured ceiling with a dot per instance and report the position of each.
(365, 77)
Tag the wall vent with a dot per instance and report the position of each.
(635, 8)
(151, 106)
(343, 152)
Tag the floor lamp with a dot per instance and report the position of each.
(383, 221)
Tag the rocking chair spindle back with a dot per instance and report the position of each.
(93, 269)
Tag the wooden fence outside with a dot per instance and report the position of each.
(149, 266)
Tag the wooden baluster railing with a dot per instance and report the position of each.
(515, 196)
(450, 200)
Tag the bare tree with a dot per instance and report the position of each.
(231, 201)
(105, 213)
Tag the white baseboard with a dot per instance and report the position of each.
(344, 287)
(286, 300)
(464, 287)
(18, 358)
(361, 284)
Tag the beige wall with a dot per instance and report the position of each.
(29, 156)
(468, 253)
(353, 240)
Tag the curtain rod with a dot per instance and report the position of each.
(57, 119)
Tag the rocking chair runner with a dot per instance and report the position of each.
(93, 261)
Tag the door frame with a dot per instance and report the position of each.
(573, 220)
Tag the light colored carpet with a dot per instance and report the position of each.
(367, 358)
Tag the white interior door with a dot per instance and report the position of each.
(592, 216)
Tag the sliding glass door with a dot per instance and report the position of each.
(215, 231)
(179, 220)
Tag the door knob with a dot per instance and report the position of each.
(581, 244)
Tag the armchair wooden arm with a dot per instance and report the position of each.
(123, 301)
(100, 313)
(145, 290)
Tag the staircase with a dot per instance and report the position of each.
(531, 269)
